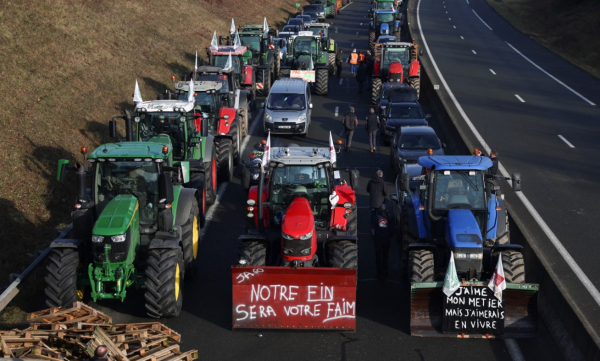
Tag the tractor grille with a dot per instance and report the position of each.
(117, 252)
(296, 246)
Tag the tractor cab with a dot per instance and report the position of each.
(390, 53)
(383, 21)
(209, 99)
(305, 50)
(256, 40)
(321, 32)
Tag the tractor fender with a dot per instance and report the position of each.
(225, 124)
(322, 66)
(248, 72)
(270, 58)
(506, 247)
(422, 245)
(208, 148)
(254, 238)
(65, 243)
(164, 243)
(339, 238)
(243, 97)
(413, 70)
(184, 205)
(499, 222)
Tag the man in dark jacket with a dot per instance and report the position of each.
(338, 64)
(361, 76)
(372, 127)
(384, 232)
(494, 157)
(377, 195)
(350, 121)
(370, 62)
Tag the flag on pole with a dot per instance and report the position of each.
(137, 96)
(451, 283)
(232, 29)
(229, 64)
(237, 41)
(498, 282)
(332, 154)
(196, 62)
(265, 26)
(214, 43)
(267, 153)
(191, 97)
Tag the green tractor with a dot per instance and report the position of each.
(306, 59)
(138, 226)
(332, 7)
(321, 30)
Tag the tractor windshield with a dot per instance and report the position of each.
(307, 181)
(384, 18)
(218, 78)
(168, 123)
(385, 5)
(139, 179)
(324, 32)
(395, 55)
(458, 189)
(221, 61)
(253, 41)
(305, 46)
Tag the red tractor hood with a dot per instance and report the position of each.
(299, 219)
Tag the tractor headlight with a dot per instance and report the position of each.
(307, 236)
(287, 236)
(118, 238)
(469, 255)
(97, 239)
(288, 252)
(306, 252)
(347, 205)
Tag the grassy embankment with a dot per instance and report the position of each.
(69, 66)
(567, 27)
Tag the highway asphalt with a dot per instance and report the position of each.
(382, 306)
(541, 113)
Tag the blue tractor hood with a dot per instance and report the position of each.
(384, 29)
(462, 230)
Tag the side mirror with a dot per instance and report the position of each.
(310, 105)
(516, 182)
(404, 182)
(427, 116)
(112, 128)
(62, 169)
(394, 197)
(165, 189)
(354, 176)
(262, 105)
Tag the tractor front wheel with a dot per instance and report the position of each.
(237, 144)
(164, 283)
(322, 81)
(331, 63)
(415, 82)
(514, 266)
(263, 77)
(371, 39)
(284, 73)
(252, 253)
(421, 266)
(246, 177)
(210, 179)
(224, 152)
(61, 280)
(343, 254)
(375, 87)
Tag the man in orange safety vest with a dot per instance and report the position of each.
(353, 60)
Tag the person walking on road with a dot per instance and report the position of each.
(353, 60)
(338, 64)
(361, 76)
(377, 195)
(372, 126)
(383, 235)
(349, 121)
(494, 157)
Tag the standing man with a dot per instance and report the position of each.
(383, 236)
(361, 76)
(350, 121)
(377, 195)
(338, 64)
(370, 62)
(372, 127)
(494, 157)
(353, 60)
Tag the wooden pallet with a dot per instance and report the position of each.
(79, 313)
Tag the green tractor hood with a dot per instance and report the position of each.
(116, 216)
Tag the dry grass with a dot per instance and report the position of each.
(67, 67)
(568, 28)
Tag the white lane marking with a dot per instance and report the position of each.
(474, 52)
(446, 12)
(449, 18)
(484, 23)
(513, 349)
(454, 26)
(337, 109)
(555, 241)
(347, 6)
(212, 209)
(518, 97)
(357, 33)
(341, 81)
(550, 75)
(462, 37)
(360, 24)
(493, 72)
(352, 45)
(467, 1)
(566, 141)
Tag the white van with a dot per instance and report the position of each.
(288, 107)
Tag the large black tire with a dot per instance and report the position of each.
(198, 182)
(61, 280)
(244, 118)
(343, 254)
(224, 150)
(322, 81)
(331, 63)
(277, 63)
(263, 76)
(415, 82)
(246, 177)
(210, 179)
(514, 266)
(284, 73)
(375, 87)
(421, 266)
(253, 253)
(352, 223)
(372, 39)
(164, 282)
(237, 142)
(190, 239)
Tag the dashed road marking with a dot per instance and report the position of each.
(462, 37)
(493, 72)
(474, 52)
(518, 97)
(566, 141)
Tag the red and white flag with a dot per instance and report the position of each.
(332, 154)
(498, 282)
(267, 153)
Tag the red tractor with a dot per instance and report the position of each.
(395, 62)
(245, 73)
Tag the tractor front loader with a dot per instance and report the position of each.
(136, 227)
(307, 60)
(395, 62)
(458, 211)
(298, 260)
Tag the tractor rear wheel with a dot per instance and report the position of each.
(331, 63)
(262, 76)
(284, 73)
(375, 87)
(246, 177)
(415, 82)
(190, 239)
(237, 144)
(277, 61)
(210, 179)
(253, 253)
(244, 121)
(224, 152)
(61, 280)
(164, 282)
(322, 81)
(371, 39)
(421, 266)
(514, 266)
(343, 254)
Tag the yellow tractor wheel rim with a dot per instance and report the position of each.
(177, 280)
(195, 236)
(80, 293)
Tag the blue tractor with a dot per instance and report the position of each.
(384, 22)
(454, 205)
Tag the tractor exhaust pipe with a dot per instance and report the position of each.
(81, 184)
(128, 127)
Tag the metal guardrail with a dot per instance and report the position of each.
(15, 287)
